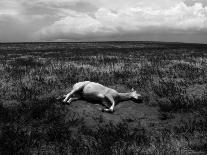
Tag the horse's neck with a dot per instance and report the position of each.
(123, 97)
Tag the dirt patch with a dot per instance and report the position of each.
(129, 111)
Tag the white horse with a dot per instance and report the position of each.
(96, 92)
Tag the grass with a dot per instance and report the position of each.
(171, 77)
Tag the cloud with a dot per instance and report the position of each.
(9, 7)
(72, 26)
(192, 2)
(44, 20)
(178, 18)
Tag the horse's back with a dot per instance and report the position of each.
(80, 84)
(96, 91)
(94, 88)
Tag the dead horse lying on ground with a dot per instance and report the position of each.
(96, 92)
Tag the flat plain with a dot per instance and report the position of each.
(171, 77)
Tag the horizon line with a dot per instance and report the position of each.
(116, 41)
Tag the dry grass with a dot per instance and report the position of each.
(32, 121)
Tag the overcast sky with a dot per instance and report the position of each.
(103, 20)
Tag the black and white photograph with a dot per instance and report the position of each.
(103, 77)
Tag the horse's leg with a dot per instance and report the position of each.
(72, 99)
(70, 94)
(111, 100)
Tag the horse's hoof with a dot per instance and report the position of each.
(107, 110)
(111, 111)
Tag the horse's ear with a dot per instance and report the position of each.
(132, 89)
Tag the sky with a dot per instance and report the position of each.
(103, 20)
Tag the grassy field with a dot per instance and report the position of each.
(172, 78)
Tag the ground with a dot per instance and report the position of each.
(127, 110)
(171, 77)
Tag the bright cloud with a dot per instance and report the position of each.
(96, 19)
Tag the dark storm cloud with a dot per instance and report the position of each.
(192, 2)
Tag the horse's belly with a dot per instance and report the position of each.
(91, 94)
(93, 97)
